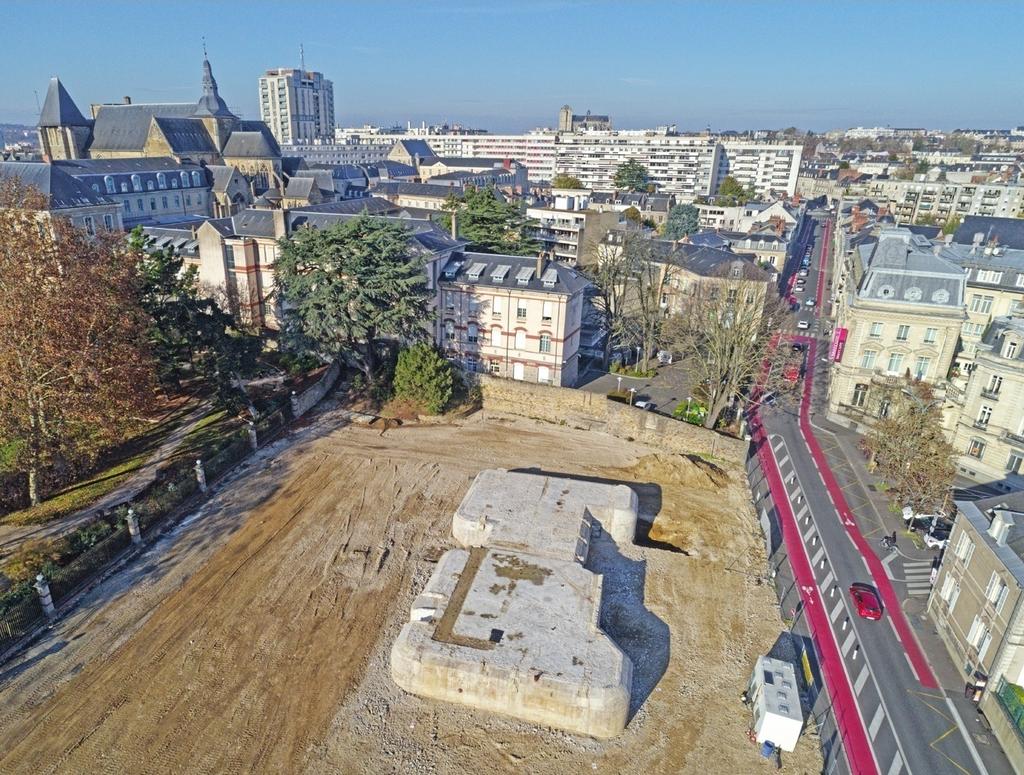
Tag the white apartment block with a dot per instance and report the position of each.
(765, 167)
(685, 165)
(910, 200)
(362, 150)
(297, 105)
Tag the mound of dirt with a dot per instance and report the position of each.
(694, 504)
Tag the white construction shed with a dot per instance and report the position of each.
(775, 698)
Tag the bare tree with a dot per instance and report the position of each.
(910, 449)
(726, 331)
(74, 368)
(610, 274)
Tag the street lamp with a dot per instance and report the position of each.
(632, 395)
(688, 400)
(638, 357)
(618, 386)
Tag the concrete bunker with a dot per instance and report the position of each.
(511, 623)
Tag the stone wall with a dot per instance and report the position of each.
(308, 398)
(593, 411)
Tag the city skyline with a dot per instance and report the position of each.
(759, 68)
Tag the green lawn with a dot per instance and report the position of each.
(120, 464)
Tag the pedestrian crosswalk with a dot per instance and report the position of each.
(918, 575)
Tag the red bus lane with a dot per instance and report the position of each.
(906, 635)
(848, 718)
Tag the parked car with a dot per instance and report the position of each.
(802, 273)
(803, 324)
(937, 538)
(799, 289)
(809, 303)
(797, 347)
(866, 601)
(647, 406)
(909, 514)
(664, 356)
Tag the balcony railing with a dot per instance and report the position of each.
(1010, 698)
(981, 425)
(990, 394)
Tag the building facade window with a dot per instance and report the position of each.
(108, 181)
(161, 180)
(867, 360)
(895, 362)
(229, 256)
(984, 415)
(981, 303)
(142, 207)
(521, 309)
(544, 375)
(496, 307)
(545, 343)
(921, 366)
(989, 276)
(976, 448)
(860, 394)
(449, 331)
(184, 180)
(995, 383)
(876, 331)
(495, 337)
(108, 222)
(903, 333)
(163, 201)
(546, 312)
(472, 333)
(520, 340)
(1014, 462)
(136, 183)
(90, 225)
(152, 203)
(127, 205)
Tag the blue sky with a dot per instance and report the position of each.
(509, 66)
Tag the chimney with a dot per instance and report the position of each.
(540, 264)
(455, 224)
(127, 100)
(280, 223)
(507, 164)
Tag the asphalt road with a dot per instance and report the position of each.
(911, 724)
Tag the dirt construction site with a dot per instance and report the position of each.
(255, 636)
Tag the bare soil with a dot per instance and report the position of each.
(256, 637)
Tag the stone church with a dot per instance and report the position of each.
(204, 132)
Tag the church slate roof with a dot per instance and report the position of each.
(251, 140)
(59, 109)
(126, 127)
(185, 135)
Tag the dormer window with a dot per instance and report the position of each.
(184, 180)
(1010, 348)
(136, 183)
(161, 180)
(108, 181)
(197, 179)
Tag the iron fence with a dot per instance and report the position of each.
(68, 579)
(19, 616)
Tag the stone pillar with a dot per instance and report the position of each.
(254, 442)
(133, 527)
(200, 476)
(43, 588)
(295, 404)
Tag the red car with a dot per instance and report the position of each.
(867, 602)
(791, 373)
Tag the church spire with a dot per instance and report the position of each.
(210, 104)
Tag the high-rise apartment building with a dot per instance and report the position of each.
(298, 105)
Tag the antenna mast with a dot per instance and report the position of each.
(302, 57)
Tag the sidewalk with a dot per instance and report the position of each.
(11, 536)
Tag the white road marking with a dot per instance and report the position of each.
(862, 679)
(967, 738)
(803, 510)
(876, 722)
(827, 581)
(848, 642)
(810, 532)
(817, 557)
(835, 611)
(896, 766)
(783, 462)
(912, 668)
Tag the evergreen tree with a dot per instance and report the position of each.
(631, 176)
(491, 224)
(682, 221)
(423, 376)
(351, 287)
